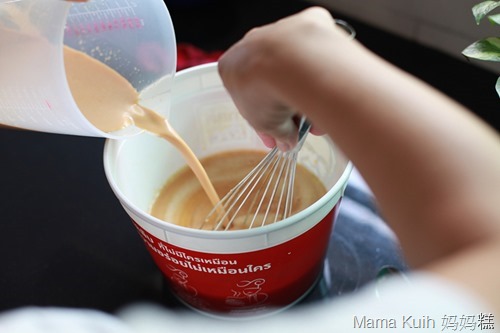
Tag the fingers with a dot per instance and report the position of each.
(316, 130)
(258, 69)
(267, 139)
(286, 135)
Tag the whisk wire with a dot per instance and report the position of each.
(266, 191)
(291, 181)
(270, 177)
(281, 164)
(227, 204)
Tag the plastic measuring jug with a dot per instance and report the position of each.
(134, 37)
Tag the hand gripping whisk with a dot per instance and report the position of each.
(264, 196)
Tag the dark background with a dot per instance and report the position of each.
(64, 238)
(216, 24)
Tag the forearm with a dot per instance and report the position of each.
(433, 167)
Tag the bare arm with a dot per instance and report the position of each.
(433, 166)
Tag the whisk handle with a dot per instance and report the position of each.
(304, 127)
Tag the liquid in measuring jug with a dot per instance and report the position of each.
(107, 99)
(134, 37)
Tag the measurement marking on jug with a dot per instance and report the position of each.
(97, 27)
(102, 17)
(18, 100)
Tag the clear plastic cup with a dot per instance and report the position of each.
(134, 37)
(225, 273)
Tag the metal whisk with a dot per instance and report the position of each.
(264, 196)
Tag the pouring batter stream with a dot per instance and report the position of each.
(117, 107)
